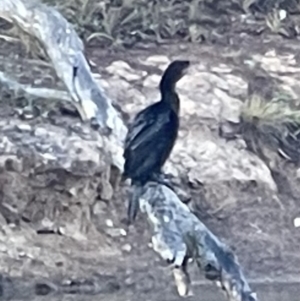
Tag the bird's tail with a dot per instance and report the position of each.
(134, 202)
(124, 177)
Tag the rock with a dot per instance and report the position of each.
(73, 191)
(43, 289)
(24, 127)
(120, 65)
(109, 223)
(273, 63)
(297, 222)
(115, 232)
(3, 248)
(188, 106)
(228, 130)
(222, 68)
(12, 164)
(152, 81)
(216, 81)
(100, 208)
(127, 248)
(123, 70)
(107, 192)
(231, 106)
(69, 231)
(7, 146)
(40, 132)
(46, 223)
(157, 60)
(298, 173)
(238, 87)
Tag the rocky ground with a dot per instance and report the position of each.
(64, 231)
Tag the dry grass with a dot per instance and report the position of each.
(125, 22)
(276, 111)
(272, 125)
(128, 21)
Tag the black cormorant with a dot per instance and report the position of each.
(152, 134)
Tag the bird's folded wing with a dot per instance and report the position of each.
(144, 129)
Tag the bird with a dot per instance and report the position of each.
(152, 135)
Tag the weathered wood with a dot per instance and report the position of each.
(65, 50)
(178, 234)
(11, 86)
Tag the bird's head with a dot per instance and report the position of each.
(174, 72)
(178, 68)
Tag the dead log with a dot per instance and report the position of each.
(65, 51)
(50, 157)
(179, 236)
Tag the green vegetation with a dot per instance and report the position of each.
(126, 22)
(271, 122)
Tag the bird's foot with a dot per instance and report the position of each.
(134, 204)
(132, 210)
(166, 176)
(164, 179)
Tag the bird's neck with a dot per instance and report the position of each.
(167, 90)
(171, 98)
(167, 83)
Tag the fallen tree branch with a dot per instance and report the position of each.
(179, 236)
(13, 87)
(65, 50)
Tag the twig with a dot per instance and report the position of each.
(8, 38)
(30, 92)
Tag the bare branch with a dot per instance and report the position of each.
(179, 235)
(65, 50)
(30, 92)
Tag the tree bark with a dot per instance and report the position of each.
(65, 51)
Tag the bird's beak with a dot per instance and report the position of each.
(186, 70)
